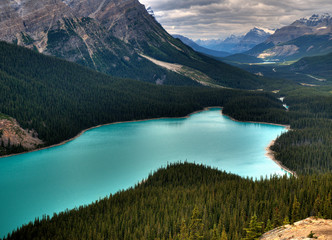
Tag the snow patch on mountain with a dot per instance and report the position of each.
(316, 20)
(266, 30)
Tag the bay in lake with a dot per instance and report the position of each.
(107, 159)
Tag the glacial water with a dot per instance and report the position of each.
(107, 159)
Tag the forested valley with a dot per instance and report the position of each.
(59, 99)
(184, 201)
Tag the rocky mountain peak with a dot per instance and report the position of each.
(257, 33)
(316, 24)
(315, 20)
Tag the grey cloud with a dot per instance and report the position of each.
(181, 4)
(220, 18)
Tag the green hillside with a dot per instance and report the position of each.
(320, 66)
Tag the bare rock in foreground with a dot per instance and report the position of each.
(321, 229)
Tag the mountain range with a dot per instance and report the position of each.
(305, 37)
(115, 37)
(237, 44)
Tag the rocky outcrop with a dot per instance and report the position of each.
(310, 228)
(13, 135)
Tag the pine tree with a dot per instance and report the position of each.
(316, 208)
(183, 231)
(295, 210)
(277, 220)
(327, 206)
(223, 234)
(214, 233)
(254, 231)
(269, 226)
(196, 226)
(286, 221)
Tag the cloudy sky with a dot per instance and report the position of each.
(212, 19)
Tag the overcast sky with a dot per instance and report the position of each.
(212, 19)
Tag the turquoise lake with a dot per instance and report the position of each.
(107, 159)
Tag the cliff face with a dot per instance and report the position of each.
(320, 229)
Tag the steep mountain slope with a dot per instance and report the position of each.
(108, 36)
(304, 37)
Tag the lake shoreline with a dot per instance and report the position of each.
(101, 125)
(274, 124)
(269, 152)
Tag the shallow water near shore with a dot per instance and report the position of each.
(107, 159)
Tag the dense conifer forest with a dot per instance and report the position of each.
(186, 201)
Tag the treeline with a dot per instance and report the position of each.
(186, 201)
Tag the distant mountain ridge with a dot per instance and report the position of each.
(110, 36)
(305, 37)
(238, 44)
(201, 49)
